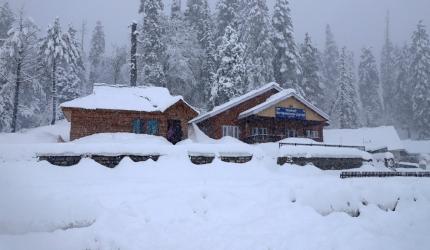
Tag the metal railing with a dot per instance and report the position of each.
(320, 145)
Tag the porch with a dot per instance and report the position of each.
(259, 129)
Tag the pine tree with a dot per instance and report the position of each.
(311, 80)
(420, 76)
(152, 45)
(197, 16)
(387, 75)
(229, 78)
(176, 9)
(369, 88)
(330, 59)
(403, 90)
(227, 11)
(96, 56)
(254, 33)
(6, 20)
(183, 58)
(58, 52)
(345, 110)
(286, 61)
(18, 63)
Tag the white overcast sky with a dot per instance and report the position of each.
(355, 23)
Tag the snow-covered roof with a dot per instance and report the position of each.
(371, 138)
(320, 151)
(417, 147)
(120, 97)
(236, 101)
(279, 97)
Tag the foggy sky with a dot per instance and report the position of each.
(355, 23)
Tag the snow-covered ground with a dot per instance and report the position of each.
(173, 204)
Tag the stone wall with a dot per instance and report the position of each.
(324, 163)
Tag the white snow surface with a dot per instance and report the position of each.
(118, 97)
(323, 152)
(371, 138)
(417, 147)
(173, 204)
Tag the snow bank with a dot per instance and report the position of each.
(171, 204)
(44, 134)
(322, 152)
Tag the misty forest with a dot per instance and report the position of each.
(210, 56)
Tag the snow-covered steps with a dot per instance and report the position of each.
(357, 174)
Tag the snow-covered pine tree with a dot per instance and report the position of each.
(17, 59)
(344, 110)
(229, 78)
(286, 65)
(330, 60)
(183, 63)
(369, 89)
(118, 64)
(403, 90)
(152, 48)
(420, 76)
(96, 55)
(387, 75)
(175, 10)
(226, 15)
(310, 77)
(197, 16)
(6, 20)
(71, 73)
(255, 33)
(56, 52)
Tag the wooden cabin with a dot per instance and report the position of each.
(140, 110)
(267, 114)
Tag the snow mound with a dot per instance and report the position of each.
(45, 134)
(123, 138)
(299, 141)
(322, 152)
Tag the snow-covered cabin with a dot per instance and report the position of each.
(141, 110)
(371, 138)
(267, 114)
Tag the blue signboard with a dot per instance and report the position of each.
(290, 113)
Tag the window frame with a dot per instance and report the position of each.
(294, 132)
(149, 129)
(230, 130)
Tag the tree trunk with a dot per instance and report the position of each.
(16, 94)
(54, 92)
(133, 59)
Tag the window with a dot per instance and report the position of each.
(152, 128)
(137, 126)
(232, 131)
(291, 133)
(259, 131)
(312, 133)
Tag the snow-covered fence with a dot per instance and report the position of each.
(355, 174)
